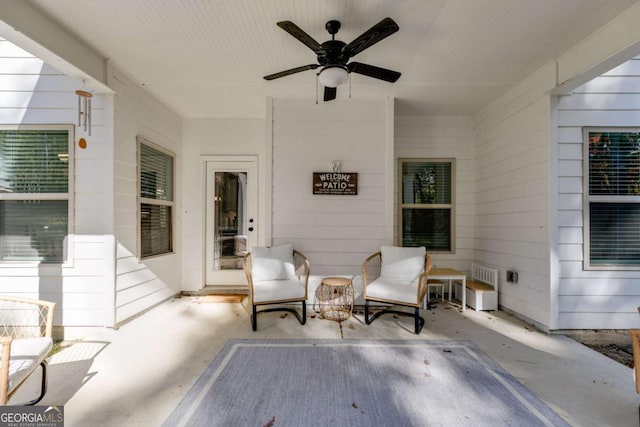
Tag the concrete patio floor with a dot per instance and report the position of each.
(136, 375)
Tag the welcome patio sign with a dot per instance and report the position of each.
(335, 183)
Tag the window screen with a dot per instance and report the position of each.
(426, 205)
(156, 201)
(34, 194)
(613, 211)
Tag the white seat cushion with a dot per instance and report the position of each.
(277, 290)
(26, 355)
(386, 289)
(274, 263)
(402, 265)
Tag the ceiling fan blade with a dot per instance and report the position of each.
(330, 93)
(291, 71)
(373, 71)
(299, 34)
(373, 35)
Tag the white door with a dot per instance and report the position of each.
(231, 218)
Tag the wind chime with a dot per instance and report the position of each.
(84, 110)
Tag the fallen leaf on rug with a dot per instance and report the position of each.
(230, 378)
(271, 422)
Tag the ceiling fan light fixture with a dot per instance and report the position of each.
(333, 75)
(333, 56)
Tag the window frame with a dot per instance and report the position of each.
(68, 248)
(157, 202)
(450, 206)
(587, 199)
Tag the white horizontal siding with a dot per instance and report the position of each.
(336, 233)
(443, 137)
(592, 299)
(215, 137)
(140, 284)
(32, 92)
(511, 229)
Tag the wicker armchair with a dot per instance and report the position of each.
(634, 334)
(276, 275)
(396, 276)
(26, 327)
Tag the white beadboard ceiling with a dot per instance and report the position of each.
(206, 58)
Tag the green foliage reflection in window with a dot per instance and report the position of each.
(427, 209)
(612, 210)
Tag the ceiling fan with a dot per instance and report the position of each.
(334, 55)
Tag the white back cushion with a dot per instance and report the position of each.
(402, 265)
(274, 263)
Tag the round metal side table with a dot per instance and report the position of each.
(335, 298)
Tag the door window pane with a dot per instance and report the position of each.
(231, 225)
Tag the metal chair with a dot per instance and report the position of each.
(26, 329)
(276, 275)
(396, 276)
(634, 334)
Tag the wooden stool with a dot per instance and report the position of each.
(335, 298)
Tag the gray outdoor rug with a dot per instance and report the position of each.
(358, 383)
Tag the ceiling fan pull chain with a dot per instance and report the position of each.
(317, 89)
(349, 85)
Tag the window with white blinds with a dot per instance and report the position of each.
(427, 208)
(34, 193)
(156, 183)
(612, 209)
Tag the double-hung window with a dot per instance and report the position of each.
(35, 171)
(427, 203)
(612, 198)
(156, 195)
